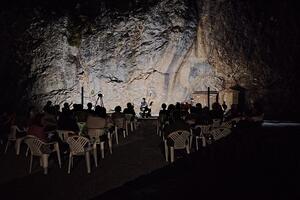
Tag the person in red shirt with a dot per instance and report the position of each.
(36, 128)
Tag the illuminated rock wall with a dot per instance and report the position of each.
(163, 51)
(152, 54)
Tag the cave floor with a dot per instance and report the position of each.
(252, 163)
(136, 155)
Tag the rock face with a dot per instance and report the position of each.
(164, 51)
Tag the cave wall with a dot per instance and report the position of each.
(161, 50)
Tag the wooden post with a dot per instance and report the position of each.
(208, 98)
(82, 96)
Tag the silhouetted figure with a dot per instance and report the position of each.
(57, 111)
(81, 115)
(100, 111)
(198, 109)
(171, 109)
(176, 124)
(205, 117)
(117, 113)
(217, 111)
(67, 121)
(37, 128)
(163, 110)
(163, 116)
(90, 108)
(129, 109)
(48, 106)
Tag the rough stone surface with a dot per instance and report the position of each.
(163, 51)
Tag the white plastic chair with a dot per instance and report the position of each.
(12, 138)
(95, 135)
(219, 133)
(81, 146)
(36, 149)
(120, 124)
(227, 124)
(161, 122)
(96, 127)
(204, 131)
(129, 121)
(181, 141)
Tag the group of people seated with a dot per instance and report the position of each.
(185, 116)
(44, 124)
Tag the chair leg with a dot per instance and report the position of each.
(27, 151)
(87, 160)
(131, 126)
(191, 141)
(95, 156)
(110, 145)
(117, 137)
(166, 151)
(126, 129)
(18, 146)
(172, 154)
(70, 163)
(124, 132)
(157, 128)
(197, 145)
(187, 149)
(102, 149)
(6, 147)
(45, 163)
(203, 141)
(30, 165)
(58, 154)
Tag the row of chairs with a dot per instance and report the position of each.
(79, 144)
(183, 139)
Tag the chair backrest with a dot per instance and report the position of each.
(35, 145)
(219, 133)
(180, 138)
(227, 124)
(95, 122)
(96, 133)
(78, 144)
(119, 122)
(128, 117)
(205, 129)
(216, 123)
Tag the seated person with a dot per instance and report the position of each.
(205, 117)
(145, 109)
(95, 122)
(217, 111)
(67, 121)
(129, 109)
(37, 129)
(177, 124)
(117, 114)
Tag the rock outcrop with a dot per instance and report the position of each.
(164, 51)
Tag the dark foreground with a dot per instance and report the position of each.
(252, 163)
